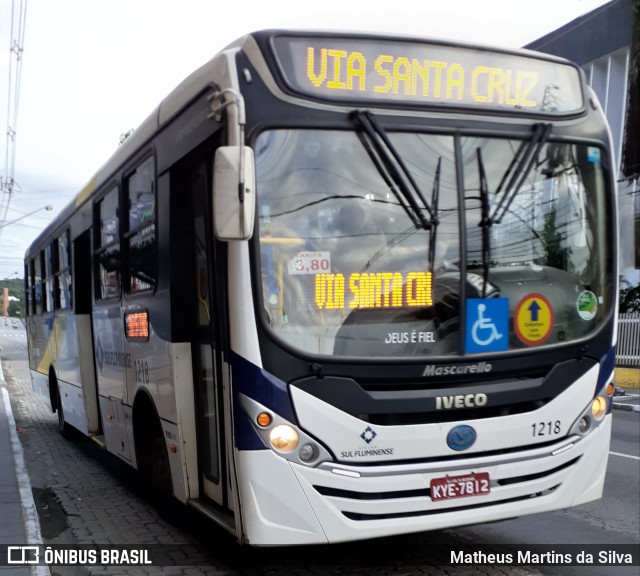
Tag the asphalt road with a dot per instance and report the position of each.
(86, 496)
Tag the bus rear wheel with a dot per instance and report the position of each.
(66, 431)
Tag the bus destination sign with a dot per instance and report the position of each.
(409, 72)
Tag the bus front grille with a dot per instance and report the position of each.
(362, 505)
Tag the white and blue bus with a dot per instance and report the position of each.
(343, 286)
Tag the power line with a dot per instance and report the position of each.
(16, 49)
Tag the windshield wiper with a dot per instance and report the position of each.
(517, 172)
(398, 238)
(435, 198)
(519, 169)
(403, 184)
(485, 222)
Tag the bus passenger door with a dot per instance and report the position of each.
(82, 270)
(206, 342)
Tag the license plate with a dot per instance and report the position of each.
(460, 486)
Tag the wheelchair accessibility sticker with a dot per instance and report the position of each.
(487, 327)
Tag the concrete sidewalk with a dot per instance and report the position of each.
(19, 524)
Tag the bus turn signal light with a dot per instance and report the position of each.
(137, 325)
(264, 419)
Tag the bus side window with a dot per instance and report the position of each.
(28, 275)
(141, 229)
(63, 272)
(37, 283)
(48, 279)
(108, 258)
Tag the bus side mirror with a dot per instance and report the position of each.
(234, 192)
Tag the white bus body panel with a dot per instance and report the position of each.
(343, 436)
(73, 406)
(290, 507)
(110, 356)
(242, 315)
(290, 510)
(275, 506)
(179, 478)
(114, 425)
(87, 373)
(184, 461)
(150, 365)
(69, 351)
(40, 385)
(575, 484)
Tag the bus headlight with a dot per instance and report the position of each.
(283, 438)
(584, 424)
(592, 416)
(599, 408)
(308, 452)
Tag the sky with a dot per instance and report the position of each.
(94, 69)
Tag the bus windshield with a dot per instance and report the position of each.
(370, 250)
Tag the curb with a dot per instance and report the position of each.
(626, 407)
(626, 399)
(31, 521)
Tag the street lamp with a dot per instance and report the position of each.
(48, 207)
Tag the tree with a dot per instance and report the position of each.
(16, 289)
(629, 297)
(554, 254)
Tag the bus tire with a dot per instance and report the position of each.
(66, 430)
(159, 469)
(152, 455)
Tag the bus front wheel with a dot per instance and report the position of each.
(151, 453)
(158, 475)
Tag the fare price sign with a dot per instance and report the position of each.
(409, 72)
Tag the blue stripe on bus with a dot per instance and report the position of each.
(607, 365)
(262, 387)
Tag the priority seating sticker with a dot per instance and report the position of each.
(533, 319)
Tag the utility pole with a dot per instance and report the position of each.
(16, 48)
(630, 165)
(631, 142)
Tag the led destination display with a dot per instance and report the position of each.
(420, 73)
(379, 290)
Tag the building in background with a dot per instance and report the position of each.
(604, 42)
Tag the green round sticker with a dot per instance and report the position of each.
(587, 305)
